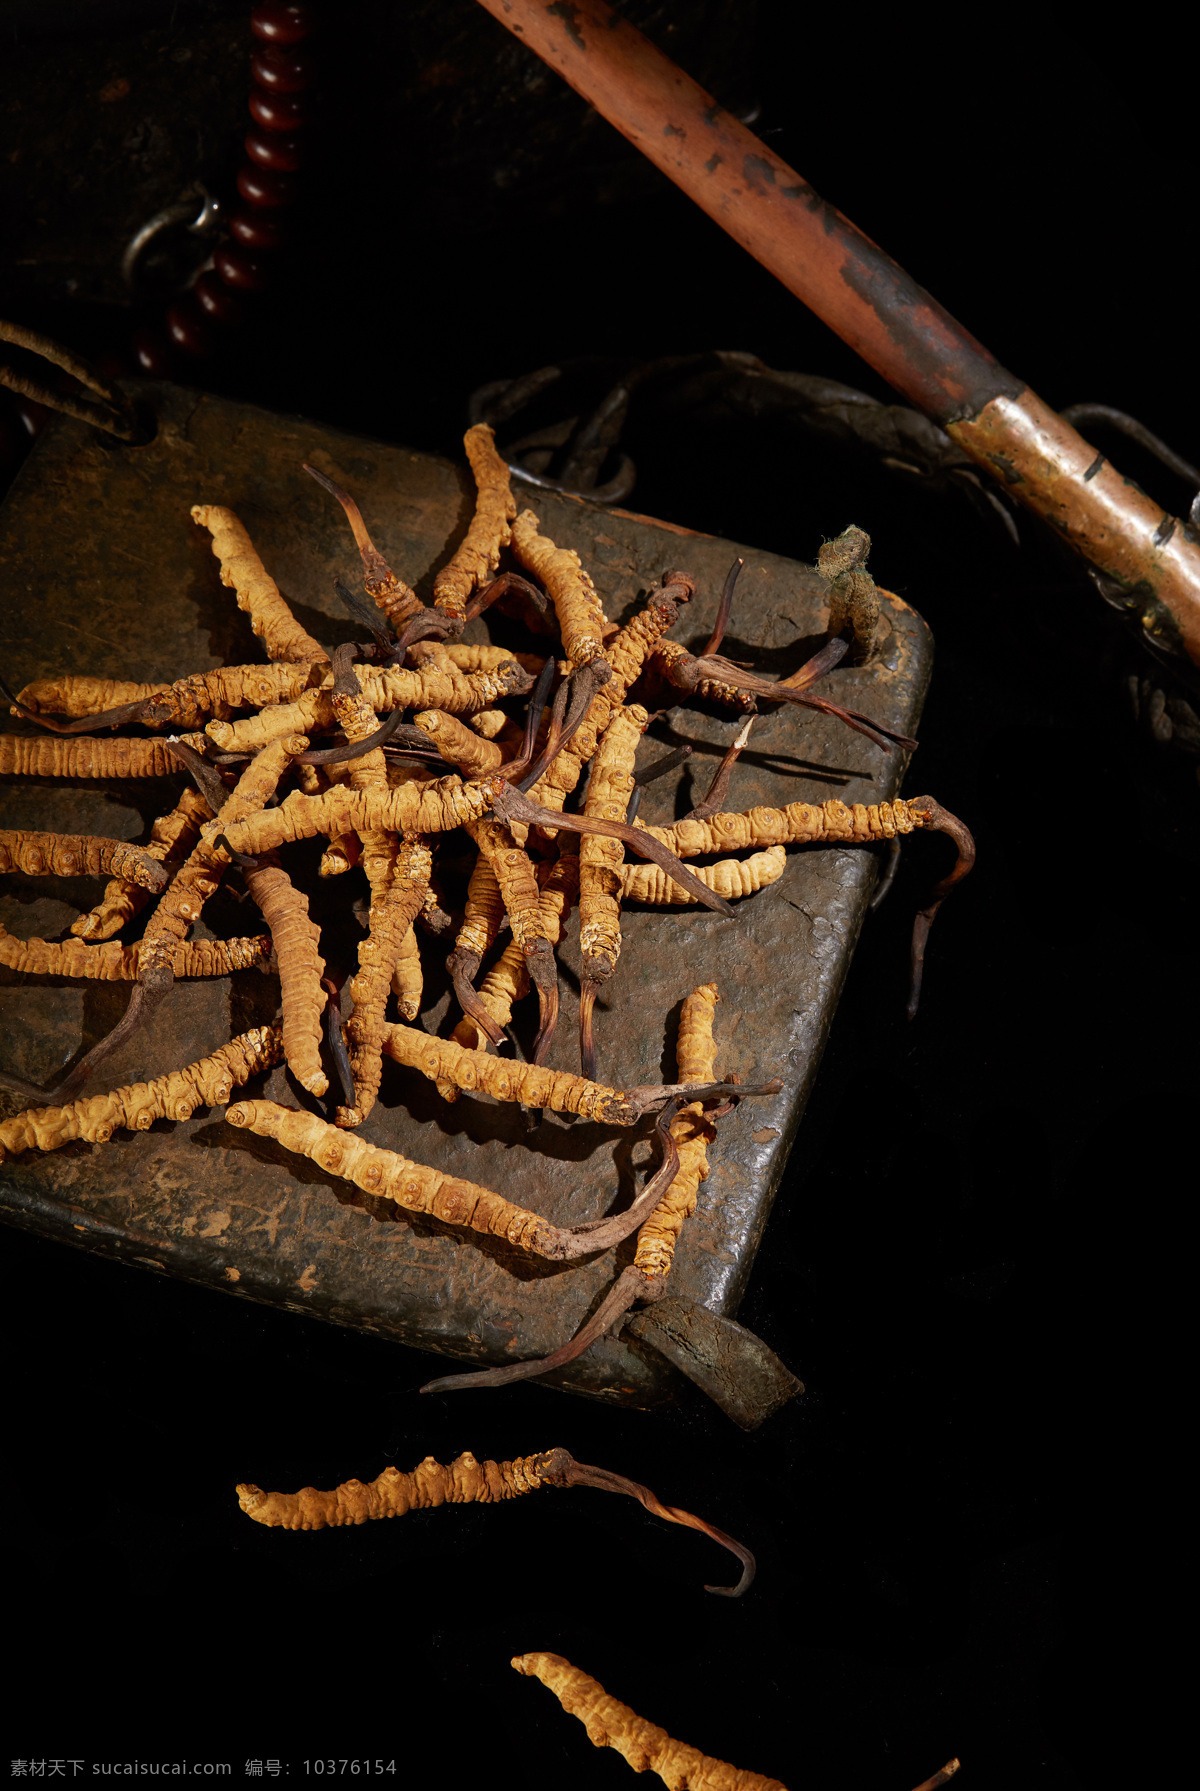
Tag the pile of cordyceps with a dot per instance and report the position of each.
(385, 794)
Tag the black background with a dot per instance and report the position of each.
(970, 1261)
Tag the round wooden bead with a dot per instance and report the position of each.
(283, 71)
(186, 329)
(258, 230)
(244, 273)
(217, 301)
(152, 355)
(262, 189)
(274, 151)
(279, 111)
(281, 24)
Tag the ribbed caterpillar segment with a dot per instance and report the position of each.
(601, 858)
(514, 877)
(696, 1055)
(442, 1060)
(731, 878)
(392, 1177)
(412, 808)
(626, 654)
(483, 909)
(84, 695)
(645, 1746)
(39, 755)
(77, 855)
(314, 709)
(576, 601)
(460, 746)
(200, 875)
(256, 591)
(408, 979)
(208, 1083)
(489, 530)
(394, 1494)
(301, 966)
(115, 963)
(171, 839)
(191, 702)
(508, 979)
(800, 823)
(393, 911)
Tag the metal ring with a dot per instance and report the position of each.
(204, 222)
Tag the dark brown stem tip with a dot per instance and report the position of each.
(334, 490)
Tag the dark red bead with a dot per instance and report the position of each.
(279, 111)
(271, 149)
(187, 329)
(283, 71)
(281, 24)
(217, 301)
(258, 230)
(257, 187)
(244, 273)
(152, 355)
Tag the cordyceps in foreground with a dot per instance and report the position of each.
(467, 1482)
(645, 1746)
(382, 750)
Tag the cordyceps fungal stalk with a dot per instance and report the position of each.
(942, 821)
(255, 589)
(208, 1083)
(580, 613)
(478, 555)
(418, 1189)
(33, 755)
(78, 855)
(115, 963)
(483, 916)
(645, 1746)
(465, 1482)
(682, 670)
(171, 839)
(508, 979)
(731, 878)
(398, 603)
(600, 862)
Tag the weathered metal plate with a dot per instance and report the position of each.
(103, 571)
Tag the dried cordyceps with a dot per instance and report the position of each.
(115, 963)
(171, 839)
(730, 877)
(460, 746)
(300, 964)
(644, 1745)
(489, 530)
(695, 1059)
(508, 979)
(390, 1176)
(576, 601)
(393, 597)
(466, 1482)
(683, 670)
(255, 589)
(78, 855)
(25, 755)
(208, 1083)
(600, 862)
(391, 922)
(442, 1060)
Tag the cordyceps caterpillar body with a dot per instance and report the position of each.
(576, 601)
(679, 668)
(255, 589)
(695, 1057)
(466, 1482)
(208, 1083)
(490, 528)
(600, 862)
(115, 963)
(508, 979)
(30, 755)
(731, 878)
(413, 808)
(78, 855)
(645, 1746)
(171, 839)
